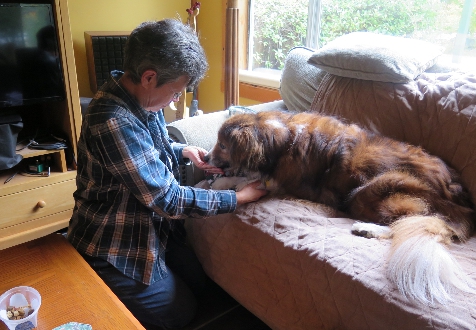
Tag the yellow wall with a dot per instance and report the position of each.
(211, 26)
(125, 15)
(210, 23)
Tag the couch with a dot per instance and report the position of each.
(295, 264)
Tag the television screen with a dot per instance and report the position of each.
(30, 64)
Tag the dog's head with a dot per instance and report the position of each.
(238, 146)
(247, 142)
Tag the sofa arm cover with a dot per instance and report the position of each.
(200, 131)
(269, 106)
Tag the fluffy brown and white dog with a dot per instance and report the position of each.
(418, 198)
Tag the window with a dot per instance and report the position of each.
(276, 26)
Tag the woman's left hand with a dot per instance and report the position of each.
(196, 155)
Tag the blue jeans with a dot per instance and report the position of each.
(168, 303)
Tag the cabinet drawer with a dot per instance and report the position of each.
(40, 202)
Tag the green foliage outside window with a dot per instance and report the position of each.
(392, 17)
(281, 24)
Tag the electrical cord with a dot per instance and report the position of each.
(31, 140)
(35, 174)
(50, 142)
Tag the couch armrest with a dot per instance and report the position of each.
(275, 105)
(200, 131)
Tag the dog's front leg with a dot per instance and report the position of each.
(225, 183)
(251, 177)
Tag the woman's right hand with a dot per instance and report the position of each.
(250, 193)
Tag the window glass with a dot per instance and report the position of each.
(276, 26)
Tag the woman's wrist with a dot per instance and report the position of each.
(186, 152)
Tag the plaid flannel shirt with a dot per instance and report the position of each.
(127, 190)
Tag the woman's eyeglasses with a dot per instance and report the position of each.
(176, 96)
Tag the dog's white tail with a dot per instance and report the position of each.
(420, 264)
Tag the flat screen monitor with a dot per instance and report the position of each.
(30, 64)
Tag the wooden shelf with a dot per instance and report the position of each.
(30, 153)
(58, 156)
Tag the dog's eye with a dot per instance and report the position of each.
(221, 145)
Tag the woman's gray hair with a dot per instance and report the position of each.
(168, 47)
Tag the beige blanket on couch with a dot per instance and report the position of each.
(296, 264)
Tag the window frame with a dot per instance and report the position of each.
(253, 85)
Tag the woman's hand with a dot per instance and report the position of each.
(196, 155)
(250, 193)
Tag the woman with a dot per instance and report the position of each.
(128, 199)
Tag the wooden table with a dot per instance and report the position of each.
(70, 290)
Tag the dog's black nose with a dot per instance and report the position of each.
(206, 158)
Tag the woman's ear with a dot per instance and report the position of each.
(149, 79)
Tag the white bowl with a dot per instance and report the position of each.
(18, 297)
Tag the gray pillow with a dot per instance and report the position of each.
(378, 57)
(299, 79)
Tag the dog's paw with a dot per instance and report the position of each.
(226, 183)
(271, 185)
(204, 184)
(242, 184)
(370, 230)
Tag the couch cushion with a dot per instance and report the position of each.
(299, 80)
(370, 56)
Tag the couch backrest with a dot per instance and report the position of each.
(436, 111)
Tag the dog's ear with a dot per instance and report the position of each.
(245, 147)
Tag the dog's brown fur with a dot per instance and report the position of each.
(371, 177)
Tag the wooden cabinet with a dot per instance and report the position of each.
(31, 207)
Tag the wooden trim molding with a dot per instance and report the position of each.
(256, 93)
(236, 41)
(231, 54)
(259, 93)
